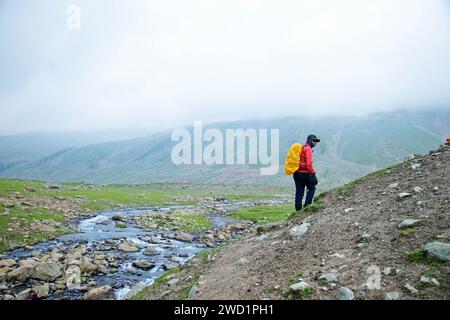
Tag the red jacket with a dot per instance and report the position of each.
(306, 160)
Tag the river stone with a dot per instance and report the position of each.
(345, 294)
(7, 263)
(150, 251)
(438, 250)
(299, 230)
(100, 293)
(143, 264)
(299, 286)
(330, 277)
(23, 295)
(170, 265)
(128, 247)
(47, 271)
(392, 296)
(183, 236)
(19, 274)
(73, 276)
(42, 291)
(407, 223)
(87, 266)
(118, 218)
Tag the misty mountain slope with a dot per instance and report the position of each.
(362, 236)
(24, 148)
(350, 148)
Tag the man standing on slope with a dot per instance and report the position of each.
(305, 176)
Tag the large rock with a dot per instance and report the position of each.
(330, 277)
(299, 230)
(143, 264)
(392, 296)
(7, 263)
(100, 293)
(408, 223)
(41, 291)
(21, 273)
(170, 265)
(72, 276)
(184, 236)
(119, 218)
(47, 271)
(438, 250)
(150, 251)
(128, 247)
(87, 266)
(299, 286)
(345, 294)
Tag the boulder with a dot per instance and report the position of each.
(72, 276)
(87, 266)
(183, 236)
(299, 286)
(100, 293)
(19, 274)
(438, 250)
(143, 264)
(344, 293)
(119, 218)
(329, 277)
(407, 223)
(128, 247)
(392, 296)
(150, 251)
(299, 230)
(41, 291)
(7, 263)
(47, 271)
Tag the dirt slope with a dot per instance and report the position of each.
(353, 236)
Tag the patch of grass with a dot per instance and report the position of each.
(206, 253)
(191, 223)
(301, 294)
(271, 289)
(185, 294)
(420, 256)
(158, 281)
(264, 214)
(408, 231)
(313, 207)
(294, 278)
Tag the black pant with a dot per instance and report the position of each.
(303, 180)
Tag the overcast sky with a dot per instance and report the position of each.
(160, 64)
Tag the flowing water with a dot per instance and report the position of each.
(101, 236)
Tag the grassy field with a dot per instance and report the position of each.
(265, 214)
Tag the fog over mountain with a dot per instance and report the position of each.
(161, 64)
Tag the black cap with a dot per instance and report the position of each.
(312, 137)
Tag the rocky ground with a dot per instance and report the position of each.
(385, 236)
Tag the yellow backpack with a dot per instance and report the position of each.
(292, 160)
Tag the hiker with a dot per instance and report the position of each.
(305, 176)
